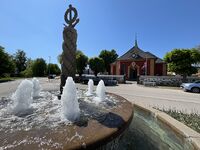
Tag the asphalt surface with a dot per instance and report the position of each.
(160, 97)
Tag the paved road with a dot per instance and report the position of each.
(163, 98)
(148, 96)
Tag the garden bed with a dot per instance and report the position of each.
(191, 120)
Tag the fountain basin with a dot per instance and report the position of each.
(98, 126)
(160, 131)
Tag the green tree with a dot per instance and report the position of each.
(53, 69)
(81, 62)
(198, 47)
(28, 72)
(108, 57)
(7, 65)
(20, 60)
(196, 55)
(59, 58)
(39, 68)
(97, 65)
(181, 61)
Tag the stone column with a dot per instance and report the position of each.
(164, 66)
(118, 68)
(111, 69)
(152, 67)
(69, 54)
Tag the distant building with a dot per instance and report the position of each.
(136, 62)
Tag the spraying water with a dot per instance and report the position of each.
(36, 87)
(90, 88)
(23, 96)
(70, 105)
(101, 91)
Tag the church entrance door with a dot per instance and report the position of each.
(133, 74)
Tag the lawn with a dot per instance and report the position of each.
(6, 79)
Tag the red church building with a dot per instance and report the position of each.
(136, 62)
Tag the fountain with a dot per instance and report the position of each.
(35, 119)
(73, 122)
(22, 98)
(70, 105)
(90, 88)
(36, 87)
(101, 90)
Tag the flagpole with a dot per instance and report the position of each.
(146, 66)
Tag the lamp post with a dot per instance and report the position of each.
(49, 63)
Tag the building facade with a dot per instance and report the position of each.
(136, 62)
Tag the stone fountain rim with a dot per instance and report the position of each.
(175, 126)
(115, 134)
(112, 135)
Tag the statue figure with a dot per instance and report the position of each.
(69, 46)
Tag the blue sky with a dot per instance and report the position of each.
(36, 26)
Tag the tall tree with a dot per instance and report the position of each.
(108, 57)
(6, 63)
(53, 69)
(39, 67)
(28, 72)
(198, 47)
(97, 65)
(181, 61)
(196, 55)
(20, 60)
(81, 62)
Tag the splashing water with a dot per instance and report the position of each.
(70, 105)
(34, 118)
(36, 87)
(22, 98)
(101, 91)
(90, 87)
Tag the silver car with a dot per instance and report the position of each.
(192, 87)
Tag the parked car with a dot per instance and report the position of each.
(51, 76)
(192, 87)
(107, 82)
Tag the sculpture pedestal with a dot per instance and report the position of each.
(68, 66)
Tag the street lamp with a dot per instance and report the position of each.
(49, 64)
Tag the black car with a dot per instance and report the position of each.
(51, 76)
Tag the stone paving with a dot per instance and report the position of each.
(149, 96)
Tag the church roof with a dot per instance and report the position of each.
(159, 60)
(136, 53)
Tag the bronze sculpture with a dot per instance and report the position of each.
(69, 46)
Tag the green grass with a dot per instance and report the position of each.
(191, 120)
(7, 79)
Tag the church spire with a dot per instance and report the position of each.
(136, 44)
